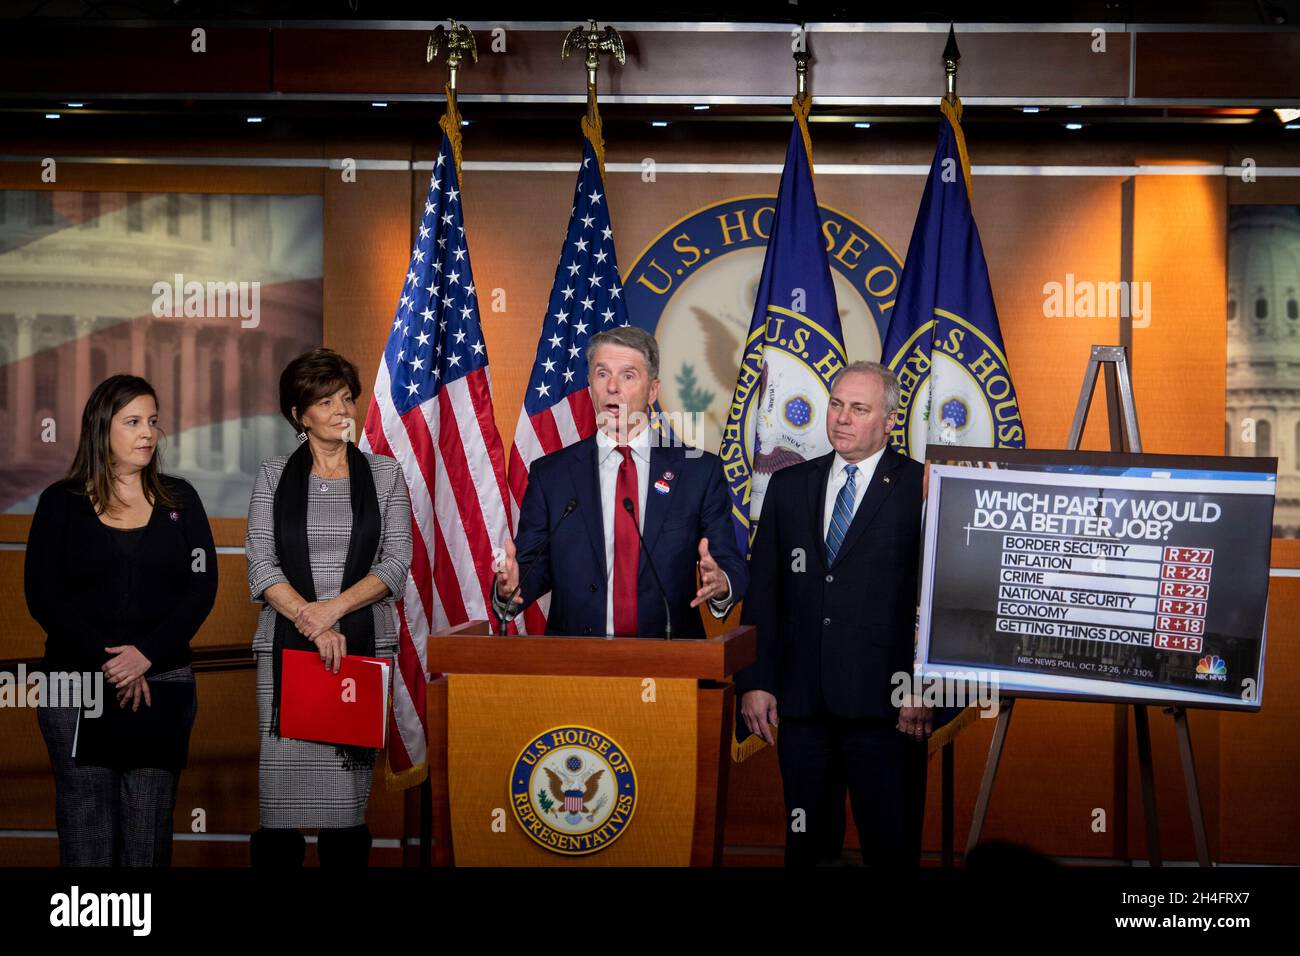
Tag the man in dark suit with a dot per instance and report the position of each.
(591, 498)
(833, 594)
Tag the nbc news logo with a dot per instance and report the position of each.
(1211, 667)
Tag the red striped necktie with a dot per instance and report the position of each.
(627, 549)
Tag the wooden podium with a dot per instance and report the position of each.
(555, 751)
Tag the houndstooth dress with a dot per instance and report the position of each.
(304, 784)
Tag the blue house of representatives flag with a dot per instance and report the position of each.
(944, 342)
(793, 350)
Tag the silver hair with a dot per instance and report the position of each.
(628, 336)
(893, 394)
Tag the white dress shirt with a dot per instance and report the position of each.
(835, 481)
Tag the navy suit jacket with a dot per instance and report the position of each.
(830, 637)
(572, 567)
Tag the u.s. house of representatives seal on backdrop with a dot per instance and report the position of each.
(694, 287)
(573, 790)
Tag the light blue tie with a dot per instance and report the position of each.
(843, 513)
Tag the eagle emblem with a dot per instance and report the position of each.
(573, 790)
(574, 793)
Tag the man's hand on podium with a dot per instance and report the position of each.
(758, 708)
(508, 574)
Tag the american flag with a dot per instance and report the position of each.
(432, 411)
(586, 298)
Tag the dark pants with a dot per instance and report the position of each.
(108, 817)
(342, 847)
(884, 774)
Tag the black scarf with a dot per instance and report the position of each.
(290, 516)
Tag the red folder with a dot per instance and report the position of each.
(317, 704)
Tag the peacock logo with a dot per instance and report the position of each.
(1211, 667)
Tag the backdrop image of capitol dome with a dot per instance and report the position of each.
(158, 285)
(1263, 406)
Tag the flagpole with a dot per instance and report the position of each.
(795, 258)
(594, 42)
(950, 105)
(951, 59)
(457, 40)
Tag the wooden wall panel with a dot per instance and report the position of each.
(1037, 231)
(1179, 367)
(233, 619)
(264, 180)
(159, 60)
(1226, 65)
(1259, 777)
(367, 223)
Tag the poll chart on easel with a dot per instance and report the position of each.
(1138, 582)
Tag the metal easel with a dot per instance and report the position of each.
(1124, 437)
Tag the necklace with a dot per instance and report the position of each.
(323, 479)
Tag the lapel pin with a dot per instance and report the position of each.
(669, 476)
(886, 479)
(662, 486)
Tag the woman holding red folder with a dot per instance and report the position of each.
(328, 545)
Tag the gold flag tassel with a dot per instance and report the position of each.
(450, 124)
(949, 731)
(952, 110)
(743, 750)
(801, 105)
(404, 779)
(591, 130)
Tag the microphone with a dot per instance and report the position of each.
(569, 509)
(668, 614)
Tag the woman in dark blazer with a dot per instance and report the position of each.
(120, 573)
(329, 545)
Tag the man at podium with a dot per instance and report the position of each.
(616, 525)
